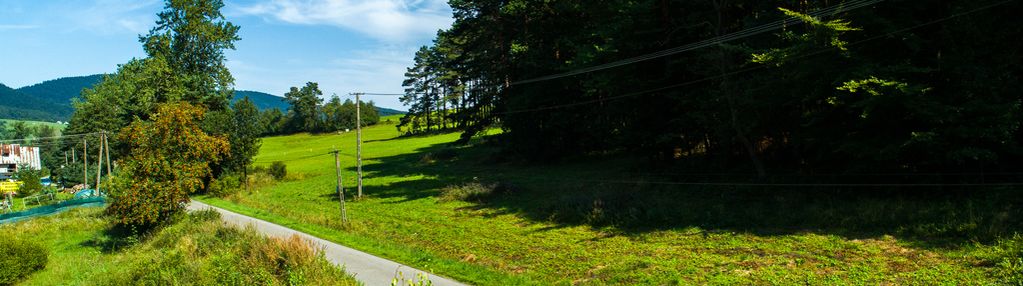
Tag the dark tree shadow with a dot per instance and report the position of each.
(608, 194)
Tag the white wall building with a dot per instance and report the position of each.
(14, 156)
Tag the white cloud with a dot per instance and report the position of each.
(379, 71)
(387, 20)
(113, 16)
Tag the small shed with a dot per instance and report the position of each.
(14, 156)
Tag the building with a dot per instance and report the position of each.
(14, 156)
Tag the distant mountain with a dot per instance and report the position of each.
(62, 90)
(266, 101)
(51, 100)
(17, 105)
(262, 100)
(387, 111)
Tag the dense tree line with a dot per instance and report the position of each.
(308, 113)
(899, 86)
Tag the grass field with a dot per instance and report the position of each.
(197, 250)
(35, 123)
(604, 221)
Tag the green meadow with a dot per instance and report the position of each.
(34, 124)
(467, 212)
(196, 249)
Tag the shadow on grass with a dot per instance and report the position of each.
(604, 194)
(114, 238)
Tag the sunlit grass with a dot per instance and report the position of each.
(196, 250)
(552, 226)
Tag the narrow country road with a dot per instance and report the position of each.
(369, 269)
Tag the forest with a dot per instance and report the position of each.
(755, 87)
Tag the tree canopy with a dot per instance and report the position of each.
(880, 88)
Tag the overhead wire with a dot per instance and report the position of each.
(839, 8)
(52, 137)
(744, 70)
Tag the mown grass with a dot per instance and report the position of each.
(603, 221)
(34, 124)
(196, 250)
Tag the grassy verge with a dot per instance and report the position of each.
(196, 250)
(601, 221)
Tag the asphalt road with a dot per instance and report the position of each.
(369, 269)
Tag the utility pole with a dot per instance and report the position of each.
(106, 147)
(85, 163)
(340, 188)
(358, 140)
(99, 165)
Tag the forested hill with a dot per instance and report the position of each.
(61, 90)
(17, 105)
(51, 100)
(262, 100)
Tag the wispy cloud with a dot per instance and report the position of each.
(387, 20)
(113, 16)
(17, 27)
(376, 70)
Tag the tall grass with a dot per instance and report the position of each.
(195, 250)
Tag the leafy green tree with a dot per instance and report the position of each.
(22, 130)
(272, 121)
(244, 135)
(169, 158)
(4, 133)
(31, 179)
(304, 113)
(192, 36)
(46, 131)
(369, 114)
(334, 117)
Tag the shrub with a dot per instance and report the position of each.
(226, 185)
(1009, 257)
(471, 192)
(278, 170)
(31, 179)
(19, 258)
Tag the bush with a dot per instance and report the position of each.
(31, 179)
(471, 192)
(19, 258)
(278, 170)
(226, 185)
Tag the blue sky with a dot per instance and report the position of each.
(344, 45)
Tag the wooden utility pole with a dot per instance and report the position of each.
(106, 148)
(99, 165)
(358, 141)
(340, 188)
(85, 163)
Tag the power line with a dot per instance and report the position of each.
(752, 68)
(53, 137)
(709, 42)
